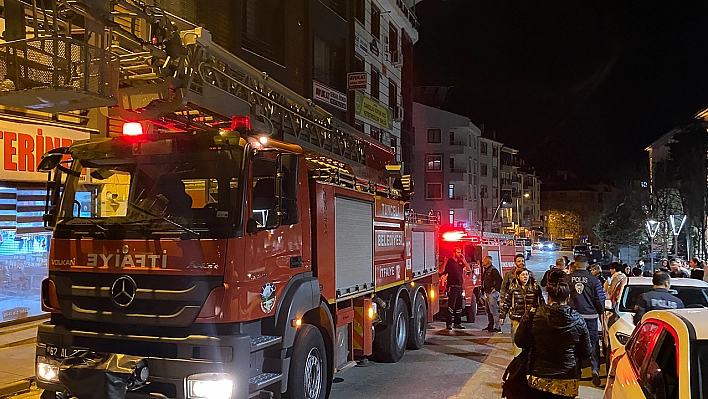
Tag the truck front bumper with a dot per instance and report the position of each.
(170, 360)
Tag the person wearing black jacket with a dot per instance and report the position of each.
(454, 269)
(560, 265)
(657, 299)
(588, 298)
(557, 339)
(491, 284)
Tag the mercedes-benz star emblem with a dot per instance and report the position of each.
(123, 291)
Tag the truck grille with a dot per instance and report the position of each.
(159, 300)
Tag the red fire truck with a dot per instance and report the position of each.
(474, 248)
(236, 266)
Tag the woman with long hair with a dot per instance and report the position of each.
(523, 296)
(558, 342)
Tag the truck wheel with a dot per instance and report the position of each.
(471, 311)
(417, 325)
(390, 343)
(308, 367)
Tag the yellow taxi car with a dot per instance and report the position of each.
(666, 357)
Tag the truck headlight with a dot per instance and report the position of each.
(209, 386)
(47, 371)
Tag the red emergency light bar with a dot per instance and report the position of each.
(132, 129)
(460, 235)
(241, 121)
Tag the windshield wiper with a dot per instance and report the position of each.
(102, 229)
(183, 228)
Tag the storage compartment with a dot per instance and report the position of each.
(354, 244)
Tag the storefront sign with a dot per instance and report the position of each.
(329, 96)
(361, 45)
(24, 143)
(373, 111)
(356, 80)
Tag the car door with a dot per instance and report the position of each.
(626, 381)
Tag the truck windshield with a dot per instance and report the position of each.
(157, 187)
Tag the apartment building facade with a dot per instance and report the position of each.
(446, 166)
(384, 34)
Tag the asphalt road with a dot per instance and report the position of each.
(453, 364)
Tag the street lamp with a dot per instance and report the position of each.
(677, 220)
(652, 229)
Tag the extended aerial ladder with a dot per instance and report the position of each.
(149, 65)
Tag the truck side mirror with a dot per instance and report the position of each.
(49, 162)
(251, 226)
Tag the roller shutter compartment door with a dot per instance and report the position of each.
(354, 242)
(418, 252)
(430, 251)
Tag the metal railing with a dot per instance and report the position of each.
(59, 64)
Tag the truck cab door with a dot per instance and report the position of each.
(274, 239)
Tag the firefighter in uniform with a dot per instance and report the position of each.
(657, 299)
(454, 269)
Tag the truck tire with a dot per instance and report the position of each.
(417, 326)
(471, 311)
(308, 366)
(390, 342)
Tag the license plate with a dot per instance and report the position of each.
(57, 352)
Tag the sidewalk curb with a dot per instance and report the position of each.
(18, 343)
(16, 387)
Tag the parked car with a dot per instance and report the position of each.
(620, 318)
(595, 254)
(581, 250)
(665, 357)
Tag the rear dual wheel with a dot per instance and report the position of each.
(390, 341)
(417, 327)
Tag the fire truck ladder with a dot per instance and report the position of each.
(156, 66)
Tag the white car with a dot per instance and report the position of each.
(665, 357)
(620, 319)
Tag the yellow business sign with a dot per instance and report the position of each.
(373, 111)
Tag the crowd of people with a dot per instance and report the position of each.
(561, 334)
(558, 332)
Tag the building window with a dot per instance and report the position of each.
(434, 135)
(359, 65)
(452, 216)
(328, 64)
(483, 148)
(394, 143)
(392, 94)
(452, 164)
(375, 133)
(263, 29)
(494, 194)
(484, 191)
(495, 172)
(495, 151)
(433, 191)
(451, 191)
(393, 41)
(433, 162)
(359, 126)
(483, 169)
(375, 77)
(375, 22)
(360, 10)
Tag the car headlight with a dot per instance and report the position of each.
(209, 386)
(622, 337)
(47, 371)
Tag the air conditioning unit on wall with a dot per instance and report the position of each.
(398, 113)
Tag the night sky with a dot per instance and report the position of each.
(579, 85)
